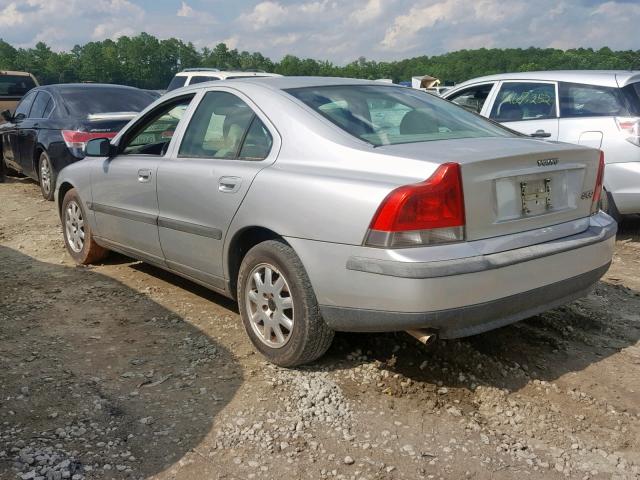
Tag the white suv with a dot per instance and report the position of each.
(600, 109)
(190, 76)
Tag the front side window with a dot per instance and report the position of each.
(386, 115)
(577, 100)
(517, 101)
(43, 99)
(25, 105)
(223, 126)
(472, 98)
(153, 135)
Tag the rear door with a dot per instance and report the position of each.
(125, 201)
(201, 185)
(529, 107)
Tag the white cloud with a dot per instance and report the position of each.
(10, 16)
(371, 11)
(185, 10)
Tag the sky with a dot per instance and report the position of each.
(336, 30)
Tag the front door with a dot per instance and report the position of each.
(528, 107)
(201, 185)
(125, 202)
(13, 138)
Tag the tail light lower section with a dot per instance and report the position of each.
(76, 140)
(630, 126)
(597, 192)
(425, 213)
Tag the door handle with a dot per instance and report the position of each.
(229, 184)
(540, 134)
(144, 175)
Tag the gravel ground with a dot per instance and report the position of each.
(122, 371)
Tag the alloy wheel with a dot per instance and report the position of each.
(269, 305)
(74, 226)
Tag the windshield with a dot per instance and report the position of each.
(177, 82)
(383, 115)
(15, 85)
(90, 100)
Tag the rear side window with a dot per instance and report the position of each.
(15, 85)
(40, 105)
(518, 101)
(223, 126)
(472, 98)
(177, 82)
(577, 100)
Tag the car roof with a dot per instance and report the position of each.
(17, 74)
(65, 87)
(606, 78)
(217, 73)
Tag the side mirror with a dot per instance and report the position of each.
(98, 147)
(6, 115)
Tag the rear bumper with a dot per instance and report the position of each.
(470, 319)
(457, 295)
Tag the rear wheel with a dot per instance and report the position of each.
(278, 307)
(47, 176)
(78, 237)
(608, 205)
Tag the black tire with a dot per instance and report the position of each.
(90, 252)
(608, 205)
(310, 337)
(3, 169)
(46, 179)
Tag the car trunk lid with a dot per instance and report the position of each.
(513, 185)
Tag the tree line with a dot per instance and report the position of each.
(147, 62)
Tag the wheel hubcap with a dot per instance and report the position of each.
(74, 226)
(45, 174)
(269, 305)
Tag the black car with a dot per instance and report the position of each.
(52, 124)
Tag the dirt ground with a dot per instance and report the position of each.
(123, 371)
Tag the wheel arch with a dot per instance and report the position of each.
(64, 188)
(242, 241)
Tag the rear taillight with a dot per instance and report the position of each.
(76, 140)
(630, 126)
(597, 192)
(420, 214)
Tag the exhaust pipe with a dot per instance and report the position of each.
(424, 336)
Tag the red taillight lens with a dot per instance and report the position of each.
(77, 140)
(423, 213)
(597, 192)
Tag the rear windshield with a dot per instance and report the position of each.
(202, 79)
(577, 100)
(383, 115)
(90, 100)
(15, 85)
(177, 82)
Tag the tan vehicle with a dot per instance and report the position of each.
(13, 86)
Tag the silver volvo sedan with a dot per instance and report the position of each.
(326, 204)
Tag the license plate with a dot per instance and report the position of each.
(535, 196)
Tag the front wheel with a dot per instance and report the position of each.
(47, 176)
(278, 307)
(78, 237)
